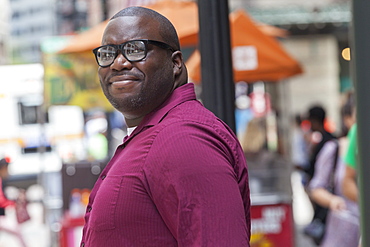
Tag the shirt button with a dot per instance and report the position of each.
(82, 244)
(89, 209)
(103, 177)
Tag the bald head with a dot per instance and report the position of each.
(137, 87)
(166, 29)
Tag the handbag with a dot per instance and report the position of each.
(21, 211)
(315, 230)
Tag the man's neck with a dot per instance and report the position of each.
(133, 122)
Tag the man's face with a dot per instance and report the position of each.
(315, 124)
(136, 88)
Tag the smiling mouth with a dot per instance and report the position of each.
(122, 78)
(123, 83)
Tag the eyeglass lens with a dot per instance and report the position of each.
(132, 51)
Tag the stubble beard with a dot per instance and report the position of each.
(125, 105)
(136, 105)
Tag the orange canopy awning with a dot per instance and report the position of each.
(249, 41)
(85, 41)
(256, 56)
(182, 14)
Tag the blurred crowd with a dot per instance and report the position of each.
(326, 158)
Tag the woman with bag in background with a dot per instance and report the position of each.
(342, 228)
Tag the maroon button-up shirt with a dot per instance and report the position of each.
(180, 179)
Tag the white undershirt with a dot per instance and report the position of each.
(130, 130)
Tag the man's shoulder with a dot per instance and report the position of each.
(190, 112)
(191, 118)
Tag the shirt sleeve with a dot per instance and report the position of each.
(350, 157)
(196, 190)
(323, 166)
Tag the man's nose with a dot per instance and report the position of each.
(120, 62)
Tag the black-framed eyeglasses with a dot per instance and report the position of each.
(133, 51)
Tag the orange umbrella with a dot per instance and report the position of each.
(182, 14)
(256, 56)
(87, 40)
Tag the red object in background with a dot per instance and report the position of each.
(272, 225)
(329, 126)
(260, 103)
(306, 125)
(67, 235)
(8, 160)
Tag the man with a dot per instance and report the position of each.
(319, 136)
(180, 177)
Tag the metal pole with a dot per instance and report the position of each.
(218, 89)
(360, 38)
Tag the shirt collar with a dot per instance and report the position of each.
(179, 95)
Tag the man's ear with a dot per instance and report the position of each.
(177, 63)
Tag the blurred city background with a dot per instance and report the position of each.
(59, 130)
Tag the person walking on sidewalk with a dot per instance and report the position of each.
(319, 137)
(342, 228)
(180, 177)
(5, 202)
(349, 184)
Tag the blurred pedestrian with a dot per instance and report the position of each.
(299, 148)
(319, 136)
(180, 177)
(5, 202)
(254, 138)
(349, 184)
(342, 228)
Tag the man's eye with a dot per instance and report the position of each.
(107, 53)
(134, 49)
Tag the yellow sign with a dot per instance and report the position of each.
(71, 79)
